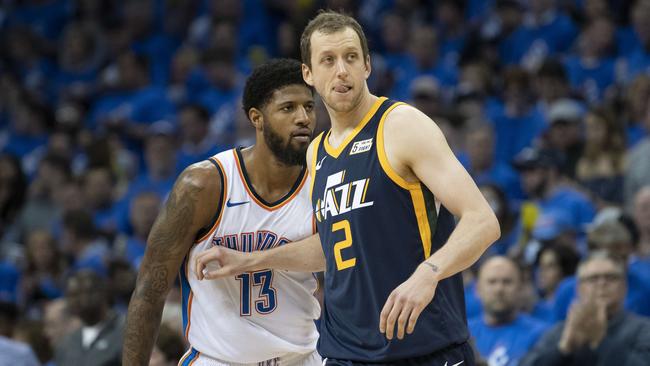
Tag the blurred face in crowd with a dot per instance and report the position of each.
(87, 298)
(596, 130)
(289, 119)
(549, 272)
(338, 71)
(144, 210)
(601, 280)
(41, 250)
(393, 33)
(57, 323)
(598, 38)
(160, 155)
(193, 128)
(499, 284)
(496, 204)
(563, 134)
(534, 181)
(640, 13)
(98, 188)
(480, 148)
(424, 46)
(642, 210)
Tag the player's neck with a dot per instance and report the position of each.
(270, 178)
(344, 122)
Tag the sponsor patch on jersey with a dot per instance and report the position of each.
(361, 146)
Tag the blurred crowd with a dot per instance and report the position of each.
(545, 102)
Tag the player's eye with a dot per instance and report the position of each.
(328, 59)
(287, 108)
(309, 107)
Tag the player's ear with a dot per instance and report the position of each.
(368, 66)
(306, 74)
(256, 117)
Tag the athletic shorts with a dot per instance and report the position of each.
(195, 358)
(456, 355)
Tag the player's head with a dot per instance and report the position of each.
(336, 60)
(281, 107)
(499, 287)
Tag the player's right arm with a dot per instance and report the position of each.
(190, 207)
(305, 255)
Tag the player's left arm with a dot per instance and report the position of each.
(418, 151)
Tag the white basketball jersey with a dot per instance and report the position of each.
(259, 315)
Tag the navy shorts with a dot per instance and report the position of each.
(456, 355)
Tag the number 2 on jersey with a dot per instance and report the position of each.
(266, 302)
(342, 264)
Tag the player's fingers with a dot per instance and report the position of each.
(202, 259)
(388, 306)
(213, 274)
(413, 318)
(402, 319)
(392, 318)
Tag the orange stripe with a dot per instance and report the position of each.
(195, 358)
(189, 301)
(261, 204)
(186, 355)
(223, 202)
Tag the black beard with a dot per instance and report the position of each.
(284, 152)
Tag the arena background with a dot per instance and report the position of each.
(104, 102)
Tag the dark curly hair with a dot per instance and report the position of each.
(269, 77)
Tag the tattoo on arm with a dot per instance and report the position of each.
(434, 268)
(167, 245)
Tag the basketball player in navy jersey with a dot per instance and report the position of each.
(385, 190)
(247, 199)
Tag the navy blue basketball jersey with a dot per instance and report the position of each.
(375, 229)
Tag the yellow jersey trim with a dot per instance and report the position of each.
(314, 159)
(336, 151)
(383, 159)
(422, 217)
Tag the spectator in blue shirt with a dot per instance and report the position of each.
(593, 70)
(503, 335)
(517, 123)
(83, 52)
(425, 60)
(614, 238)
(196, 141)
(483, 167)
(98, 187)
(451, 28)
(638, 60)
(565, 133)
(81, 243)
(546, 187)
(636, 96)
(507, 216)
(550, 32)
(554, 263)
(13, 352)
(144, 209)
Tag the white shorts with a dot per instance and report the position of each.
(194, 358)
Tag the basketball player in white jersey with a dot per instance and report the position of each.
(247, 199)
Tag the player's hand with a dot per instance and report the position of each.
(407, 301)
(218, 262)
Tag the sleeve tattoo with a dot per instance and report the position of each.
(168, 243)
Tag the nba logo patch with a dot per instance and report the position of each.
(361, 146)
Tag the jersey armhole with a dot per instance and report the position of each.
(383, 158)
(207, 230)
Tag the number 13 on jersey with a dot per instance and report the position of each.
(266, 300)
